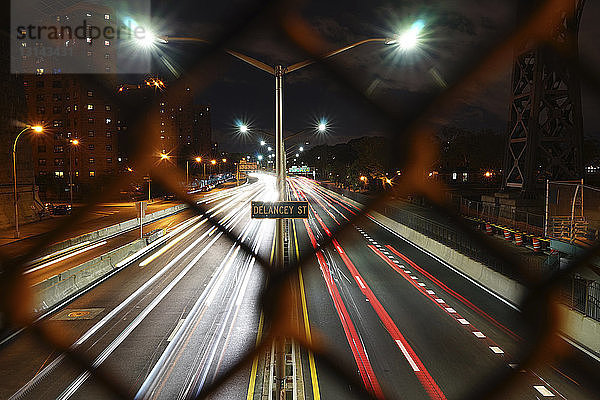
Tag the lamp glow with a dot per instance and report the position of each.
(243, 128)
(37, 128)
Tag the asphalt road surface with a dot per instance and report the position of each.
(401, 321)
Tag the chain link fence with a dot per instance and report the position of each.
(409, 133)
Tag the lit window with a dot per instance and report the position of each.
(92, 173)
(91, 147)
(39, 71)
(91, 160)
(108, 120)
(107, 42)
(107, 107)
(75, 107)
(106, 16)
(108, 134)
(89, 40)
(90, 106)
(90, 93)
(59, 174)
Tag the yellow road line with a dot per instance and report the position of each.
(311, 358)
(252, 383)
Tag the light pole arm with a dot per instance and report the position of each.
(305, 63)
(247, 59)
(17, 138)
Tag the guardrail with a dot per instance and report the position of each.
(113, 229)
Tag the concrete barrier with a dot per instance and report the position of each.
(53, 290)
(580, 329)
(112, 229)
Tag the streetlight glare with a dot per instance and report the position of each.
(75, 142)
(270, 148)
(262, 142)
(198, 159)
(37, 128)
(260, 157)
(243, 128)
(322, 127)
(409, 39)
(164, 156)
(301, 148)
(213, 162)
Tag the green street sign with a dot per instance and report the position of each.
(279, 209)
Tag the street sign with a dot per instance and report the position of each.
(294, 169)
(279, 209)
(248, 166)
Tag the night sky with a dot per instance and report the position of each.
(455, 32)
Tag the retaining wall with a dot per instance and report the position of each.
(59, 287)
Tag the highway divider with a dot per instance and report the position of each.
(582, 330)
(58, 288)
(112, 230)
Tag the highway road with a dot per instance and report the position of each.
(164, 325)
(404, 323)
(409, 326)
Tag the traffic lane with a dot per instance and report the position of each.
(393, 353)
(117, 329)
(530, 383)
(428, 344)
(98, 248)
(123, 279)
(376, 356)
(23, 364)
(325, 325)
(219, 329)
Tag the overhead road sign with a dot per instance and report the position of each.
(279, 209)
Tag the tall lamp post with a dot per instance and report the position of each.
(36, 129)
(74, 143)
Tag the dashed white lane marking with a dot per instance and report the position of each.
(408, 357)
(479, 335)
(543, 391)
(451, 310)
(496, 350)
(414, 277)
(172, 335)
(360, 282)
(421, 284)
(396, 262)
(463, 321)
(440, 301)
(430, 292)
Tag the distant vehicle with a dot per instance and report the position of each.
(170, 196)
(62, 209)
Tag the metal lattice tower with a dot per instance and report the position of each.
(545, 132)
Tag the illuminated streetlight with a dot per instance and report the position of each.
(74, 143)
(301, 148)
(213, 162)
(224, 160)
(164, 156)
(260, 157)
(409, 39)
(243, 128)
(262, 142)
(322, 127)
(198, 159)
(269, 148)
(36, 129)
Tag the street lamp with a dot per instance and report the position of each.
(36, 129)
(74, 143)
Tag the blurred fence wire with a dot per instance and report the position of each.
(408, 131)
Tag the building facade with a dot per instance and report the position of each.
(79, 137)
(183, 129)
